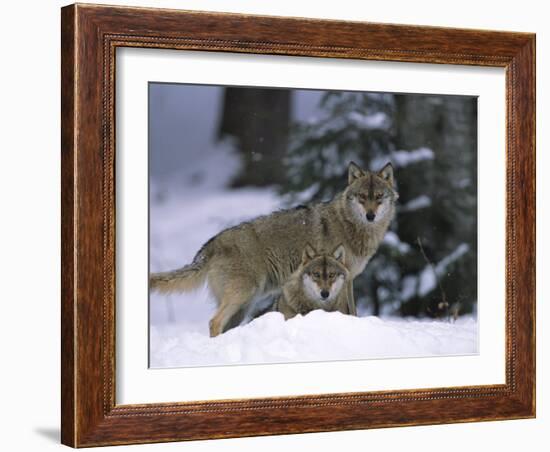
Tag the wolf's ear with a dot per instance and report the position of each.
(339, 253)
(354, 172)
(386, 173)
(308, 254)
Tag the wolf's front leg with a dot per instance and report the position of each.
(284, 308)
(352, 309)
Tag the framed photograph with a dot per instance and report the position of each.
(281, 225)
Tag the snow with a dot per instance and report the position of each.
(427, 281)
(391, 239)
(372, 121)
(362, 121)
(420, 202)
(402, 158)
(317, 336)
(428, 276)
(459, 251)
(408, 287)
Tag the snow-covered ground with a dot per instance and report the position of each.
(318, 336)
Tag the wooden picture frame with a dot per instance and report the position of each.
(90, 35)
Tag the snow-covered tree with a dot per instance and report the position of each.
(353, 127)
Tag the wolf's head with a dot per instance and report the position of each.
(370, 196)
(323, 275)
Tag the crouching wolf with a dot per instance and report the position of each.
(316, 284)
(253, 260)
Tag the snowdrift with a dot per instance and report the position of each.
(318, 336)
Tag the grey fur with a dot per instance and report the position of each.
(327, 272)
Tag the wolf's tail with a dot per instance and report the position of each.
(183, 279)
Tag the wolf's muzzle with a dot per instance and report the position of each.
(370, 215)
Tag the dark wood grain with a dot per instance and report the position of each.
(90, 36)
(68, 310)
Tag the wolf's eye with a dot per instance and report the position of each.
(331, 275)
(361, 197)
(316, 275)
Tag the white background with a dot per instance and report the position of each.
(137, 384)
(30, 228)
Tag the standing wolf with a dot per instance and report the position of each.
(252, 261)
(316, 284)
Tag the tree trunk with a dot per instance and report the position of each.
(258, 119)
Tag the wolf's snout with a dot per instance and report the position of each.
(370, 215)
(325, 294)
